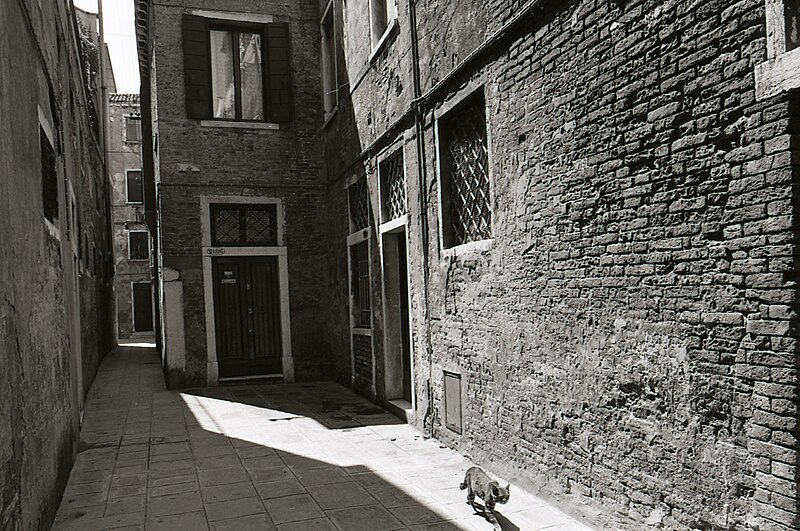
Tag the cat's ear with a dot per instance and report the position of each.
(508, 487)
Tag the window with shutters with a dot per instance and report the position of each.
(138, 245)
(237, 72)
(466, 207)
(133, 186)
(133, 128)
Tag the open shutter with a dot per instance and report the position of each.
(279, 84)
(196, 67)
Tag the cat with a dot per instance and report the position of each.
(480, 484)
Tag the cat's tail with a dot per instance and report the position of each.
(463, 485)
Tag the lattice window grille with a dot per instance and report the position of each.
(395, 183)
(243, 225)
(360, 212)
(468, 168)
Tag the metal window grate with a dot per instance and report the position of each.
(394, 181)
(360, 215)
(468, 173)
(244, 225)
(360, 264)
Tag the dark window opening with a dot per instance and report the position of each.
(133, 128)
(792, 18)
(244, 225)
(133, 186)
(49, 178)
(138, 245)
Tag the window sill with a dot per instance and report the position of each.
(469, 248)
(240, 125)
(777, 75)
(329, 116)
(134, 203)
(388, 35)
(361, 331)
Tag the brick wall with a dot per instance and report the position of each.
(629, 335)
(362, 360)
(620, 336)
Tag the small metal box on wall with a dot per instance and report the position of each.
(452, 401)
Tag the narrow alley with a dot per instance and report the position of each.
(271, 456)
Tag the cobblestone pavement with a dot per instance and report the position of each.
(300, 457)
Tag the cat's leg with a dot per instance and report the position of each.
(489, 511)
(471, 498)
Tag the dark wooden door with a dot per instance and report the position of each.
(142, 307)
(247, 315)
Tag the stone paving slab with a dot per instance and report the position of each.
(287, 457)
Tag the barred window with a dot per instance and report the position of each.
(362, 309)
(244, 225)
(393, 187)
(466, 204)
(360, 212)
(138, 245)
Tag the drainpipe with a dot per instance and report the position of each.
(419, 127)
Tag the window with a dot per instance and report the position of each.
(359, 208)
(464, 166)
(133, 128)
(362, 308)
(381, 14)
(49, 178)
(393, 187)
(138, 245)
(236, 71)
(329, 80)
(133, 186)
(244, 225)
(779, 73)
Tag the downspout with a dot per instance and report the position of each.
(419, 129)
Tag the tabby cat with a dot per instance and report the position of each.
(480, 484)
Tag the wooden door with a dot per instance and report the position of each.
(142, 307)
(247, 315)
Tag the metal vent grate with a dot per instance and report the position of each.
(244, 225)
(468, 172)
(395, 184)
(360, 215)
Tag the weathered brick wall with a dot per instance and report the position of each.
(630, 335)
(286, 164)
(41, 294)
(362, 360)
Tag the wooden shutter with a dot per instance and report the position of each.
(279, 80)
(196, 67)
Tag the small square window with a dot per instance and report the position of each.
(138, 245)
(464, 163)
(133, 186)
(133, 128)
(49, 178)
